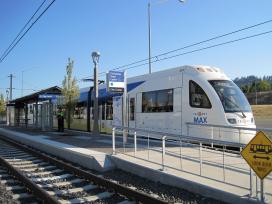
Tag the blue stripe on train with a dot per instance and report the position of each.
(103, 94)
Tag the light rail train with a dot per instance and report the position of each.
(167, 100)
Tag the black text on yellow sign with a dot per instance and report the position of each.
(258, 154)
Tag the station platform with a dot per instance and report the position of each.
(230, 184)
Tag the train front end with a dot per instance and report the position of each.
(218, 109)
(238, 113)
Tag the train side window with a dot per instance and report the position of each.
(198, 98)
(132, 109)
(149, 102)
(157, 101)
(165, 100)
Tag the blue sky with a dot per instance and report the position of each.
(118, 29)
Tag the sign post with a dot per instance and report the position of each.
(117, 83)
(125, 109)
(258, 154)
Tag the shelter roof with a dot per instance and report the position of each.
(34, 97)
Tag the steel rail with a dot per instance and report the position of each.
(34, 188)
(129, 193)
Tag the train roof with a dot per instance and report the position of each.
(203, 71)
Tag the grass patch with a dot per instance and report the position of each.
(263, 117)
(262, 111)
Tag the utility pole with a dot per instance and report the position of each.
(10, 86)
(256, 100)
(149, 38)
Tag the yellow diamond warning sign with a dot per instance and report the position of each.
(258, 154)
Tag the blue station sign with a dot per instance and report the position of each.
(48, 96)
(115, 81)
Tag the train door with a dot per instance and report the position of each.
(131, 111)
(197, 108)
(177, 116)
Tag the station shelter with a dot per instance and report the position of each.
(35, 110)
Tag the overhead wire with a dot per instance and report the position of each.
(184, 47)
(197, 43)
(27, 30)
(204, 48)
(17, 89)
(20, 32)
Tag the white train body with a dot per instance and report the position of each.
(166, 101)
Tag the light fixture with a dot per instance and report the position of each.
(95, 56)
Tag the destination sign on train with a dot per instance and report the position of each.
(115, 81)
(258, 154)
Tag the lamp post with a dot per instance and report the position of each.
(149, 31)
(89, 102)
(95, 56)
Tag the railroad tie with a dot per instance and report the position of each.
(73, 190)
(21, 196)
(64, 176)
(17, 187)
(39, 168)
(127, 202)
(61, 184)
(88, 198)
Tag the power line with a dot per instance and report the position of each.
(200, 49)
(216, 37)
(185, 47)
(17, 89)
(204, 48)
(27, 31)
(23, 28)
(197, 43)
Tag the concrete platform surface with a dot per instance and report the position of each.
(181, 167)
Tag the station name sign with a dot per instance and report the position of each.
(115, 81)
(48, 96)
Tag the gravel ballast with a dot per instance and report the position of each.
(165, 192)
(6, 196)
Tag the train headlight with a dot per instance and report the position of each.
(252, 120)
(232, 120)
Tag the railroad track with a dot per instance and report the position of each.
(15, 189)
(54, 181)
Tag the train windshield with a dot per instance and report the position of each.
(232, 98)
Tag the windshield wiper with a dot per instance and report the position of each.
(235, 104)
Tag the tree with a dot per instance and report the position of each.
(2, 106)
(70, 91)
(264, 85)
(245, 88)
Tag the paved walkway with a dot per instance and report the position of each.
(225, 172)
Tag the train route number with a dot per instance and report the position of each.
(258, 154)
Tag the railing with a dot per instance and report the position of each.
(193, 155)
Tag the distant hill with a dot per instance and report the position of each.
(252, 84)
(242, 81)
